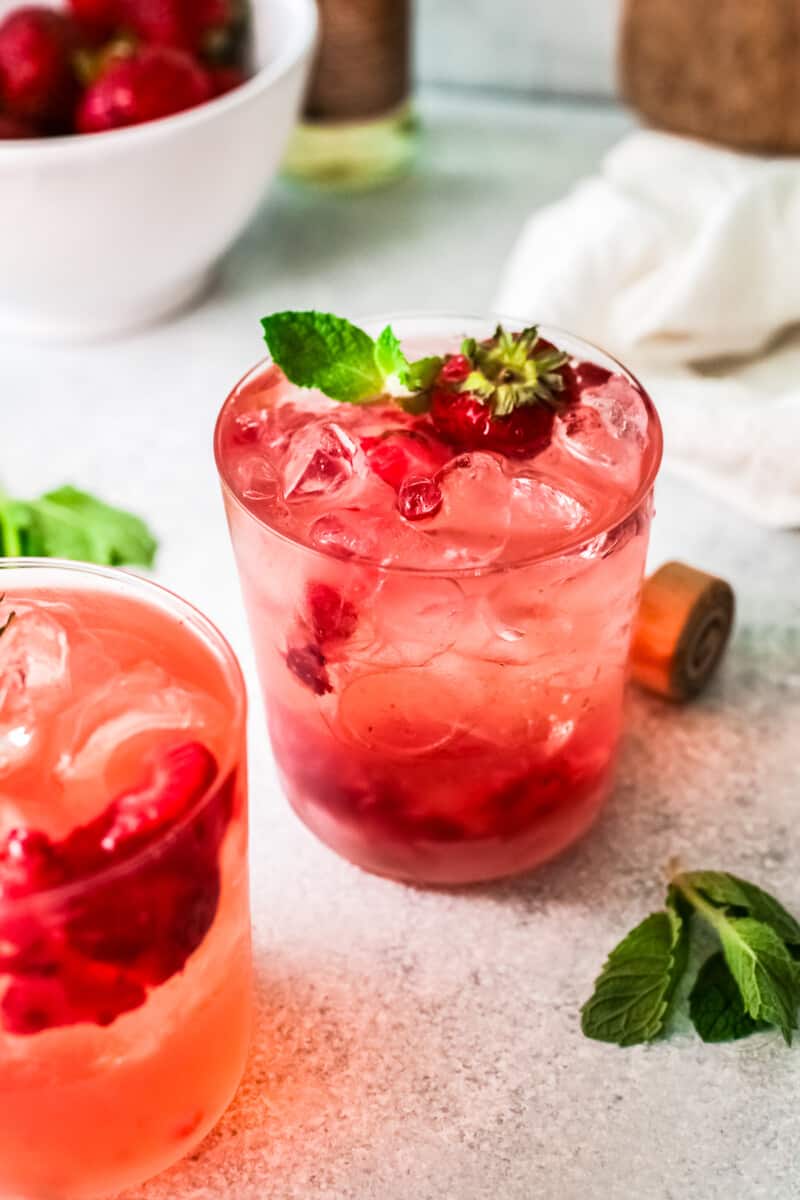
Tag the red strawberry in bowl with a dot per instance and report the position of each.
(96, 19)
(152, 82)
(502, 394)
(12, 129)
(37, 81)
(226, 79)
(160, 22)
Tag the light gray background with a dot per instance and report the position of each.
(421, 1045)
(530, 45)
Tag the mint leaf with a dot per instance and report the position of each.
(320, 350)
(15, 528)
(419, 376)
(68, 523)
(633, 993)
(323, 351)
(765, 972)
(389, 357)
(716, 1006)
(745, 899)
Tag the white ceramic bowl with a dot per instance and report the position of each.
(103, 233)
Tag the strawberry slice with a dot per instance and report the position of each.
(80, 991)
(93, 955)
(333, 619)
(402, 454)
(179, 778)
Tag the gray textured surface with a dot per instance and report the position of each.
(422, 1044)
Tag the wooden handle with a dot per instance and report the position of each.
(684, 624)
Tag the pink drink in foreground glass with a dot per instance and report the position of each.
(442, 636)
(124, 920)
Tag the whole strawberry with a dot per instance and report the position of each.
(12, 129)
(96, 19)
(37, 82)
(501, 394)
(160, 22)
(154, 82)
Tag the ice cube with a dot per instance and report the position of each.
(409, 622)
(103, 736)
(346, 534)
(406, 711)
(542, 512)
(34, 683)
(321, 460)
(607, 429)
(472, 526)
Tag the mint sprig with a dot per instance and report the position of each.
(323, 351)
(751, 983)
(716, 1006)
(68, 523)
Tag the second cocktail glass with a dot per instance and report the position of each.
(443, 677)
(125, 979)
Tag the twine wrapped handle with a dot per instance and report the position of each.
(684, 625)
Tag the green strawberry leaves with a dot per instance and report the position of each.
(323, 351)
(68, 523)
(753, 982)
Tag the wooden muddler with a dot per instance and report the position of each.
(684, 624)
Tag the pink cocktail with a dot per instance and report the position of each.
(441, 617)
(125, 990)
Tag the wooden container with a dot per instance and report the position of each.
(722, 70)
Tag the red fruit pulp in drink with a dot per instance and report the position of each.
(124, 947)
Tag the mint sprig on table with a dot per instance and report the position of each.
(751, 983)
(323, 351)
(68, 523)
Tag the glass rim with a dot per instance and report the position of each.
(198, 623)
(571, 543)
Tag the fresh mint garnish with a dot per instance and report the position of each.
(752, 983)
(68, 523)
(745, 899)
(323, 351)
(632, 996)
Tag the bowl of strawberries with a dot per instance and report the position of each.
(137, 138)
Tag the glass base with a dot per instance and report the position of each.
(351, 156)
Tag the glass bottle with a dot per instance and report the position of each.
(358, 128)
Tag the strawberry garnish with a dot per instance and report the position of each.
(501, 394)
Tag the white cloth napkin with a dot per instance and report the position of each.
(683, 260)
